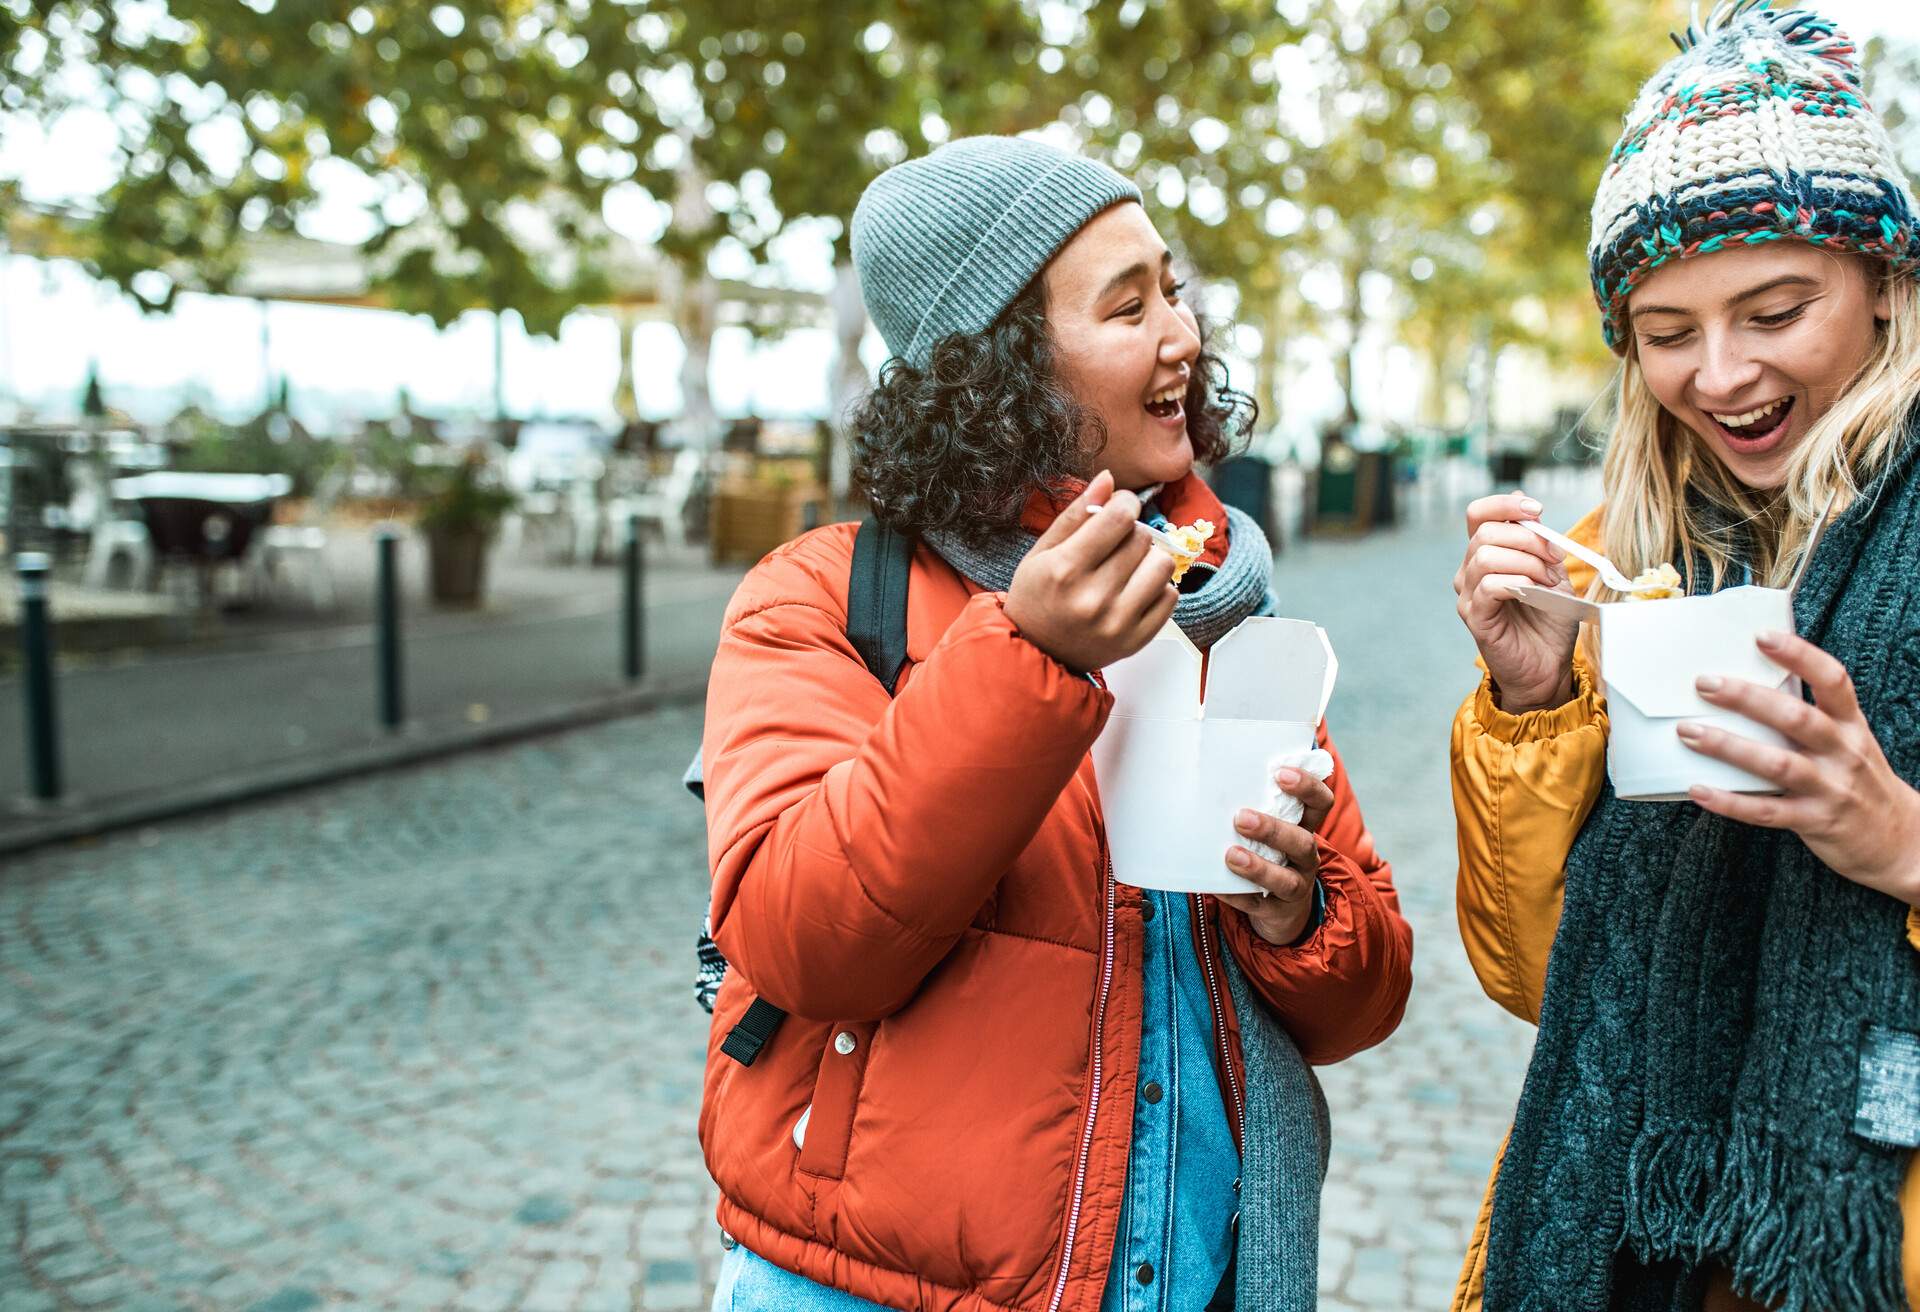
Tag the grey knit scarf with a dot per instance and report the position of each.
(1241, 587)
(1282, 1164)
(1694, 1098)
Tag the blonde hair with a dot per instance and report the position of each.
(1652, 460)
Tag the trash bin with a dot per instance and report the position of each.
(1246, 484)
(1509, 468)
(1374, 493)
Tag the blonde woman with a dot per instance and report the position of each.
(1723, 1102)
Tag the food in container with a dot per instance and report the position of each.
(1656, 584)
(1185, 543)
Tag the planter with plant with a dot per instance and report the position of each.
(459, 518)
(751, 517)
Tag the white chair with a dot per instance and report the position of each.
(665, 502)
(585, 512)
(119, 537)
(112, 530)
(277, 545)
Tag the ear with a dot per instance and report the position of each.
(1883, 299)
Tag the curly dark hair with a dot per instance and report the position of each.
(962, 444)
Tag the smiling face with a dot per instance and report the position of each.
(1125, 343)
(1748, 348)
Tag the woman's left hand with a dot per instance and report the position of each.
(1837, 790)
(1280, 916)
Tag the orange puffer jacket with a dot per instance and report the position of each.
(944, 1119)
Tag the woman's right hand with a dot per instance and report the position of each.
(1528, 652)
(1093, 590)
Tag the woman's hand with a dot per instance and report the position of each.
(1837, 790)
(1093, 590)
(1528, 652)
(1280, 915)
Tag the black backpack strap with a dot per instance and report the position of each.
(745, 1039)
(877, 626)
(877, 599)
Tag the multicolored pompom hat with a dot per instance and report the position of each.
(1756, 131)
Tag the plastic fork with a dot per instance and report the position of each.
(1609, 572)
(1156, 534)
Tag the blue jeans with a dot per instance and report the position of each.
(750, 1283)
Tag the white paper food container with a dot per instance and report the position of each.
(1173, 769)
(1650, 654)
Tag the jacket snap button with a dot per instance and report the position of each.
(1150, 1091)
(843, 1043)
(1146, 910)
(1145, 1274)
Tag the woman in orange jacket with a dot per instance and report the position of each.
(1723, 1103)
(1005, 1081)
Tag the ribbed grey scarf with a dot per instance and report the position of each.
(1240, 587)
(1283, 1163)
(1288, 1134)
(1692, 1096)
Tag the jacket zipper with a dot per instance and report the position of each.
(1093, 1098)
(1208, 967)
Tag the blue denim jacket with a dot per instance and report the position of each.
(1176, 1220)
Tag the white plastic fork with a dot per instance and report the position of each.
(1609, 572)
(1156, 534)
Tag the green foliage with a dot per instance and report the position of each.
(465, 498)
(1450, 147)
(269, 444)
(468, 118)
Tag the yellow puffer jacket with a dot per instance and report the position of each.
(1522, 787)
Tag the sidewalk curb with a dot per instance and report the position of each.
(92, 820)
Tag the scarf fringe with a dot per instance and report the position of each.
(1708, 1196)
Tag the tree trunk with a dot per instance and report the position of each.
(1267, 389)
(1356, 323)
(849, 373)
(1480, 387)
(696, 313)
(695, 297)
(626, 397)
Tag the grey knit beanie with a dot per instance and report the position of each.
(944, 242)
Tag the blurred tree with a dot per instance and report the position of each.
(1318, 159)
(1442, 152)
(786, 112)
(1893, 88)
(454, 130)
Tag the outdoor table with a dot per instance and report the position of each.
(202, 520)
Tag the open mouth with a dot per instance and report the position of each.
(1755, 427)
(1166, 404)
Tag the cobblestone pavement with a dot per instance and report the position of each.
(424, 1041)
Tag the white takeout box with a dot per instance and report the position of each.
(1174, 766)
(1650, 654)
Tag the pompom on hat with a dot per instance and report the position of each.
(943, 243)
(1755, 132)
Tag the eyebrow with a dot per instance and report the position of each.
(1788, 280)
(1138, 269)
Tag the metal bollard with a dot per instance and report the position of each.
(633, 630)
(36, 647)
(387, 625)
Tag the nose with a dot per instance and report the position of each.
(1180, 339)
(1726, 370)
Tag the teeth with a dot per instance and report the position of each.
(1170, 394)
(1751, 416)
